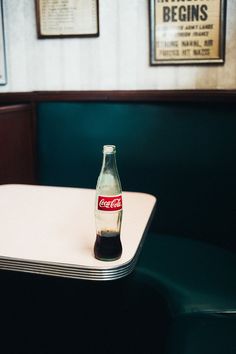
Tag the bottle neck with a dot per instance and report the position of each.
(108, 181)
(109, 162)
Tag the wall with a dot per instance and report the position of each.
(117, 60)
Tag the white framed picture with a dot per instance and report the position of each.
(3, 75)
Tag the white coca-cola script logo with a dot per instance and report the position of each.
(113, 203)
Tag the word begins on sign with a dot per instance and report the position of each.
(185, 13)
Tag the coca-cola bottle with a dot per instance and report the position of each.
(108, 208)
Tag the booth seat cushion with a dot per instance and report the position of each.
(194, 277)
(201, 334)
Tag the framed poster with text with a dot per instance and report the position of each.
(3, 76)
(67, 18)
(187, 31)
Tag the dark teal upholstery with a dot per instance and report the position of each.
(202, 334)
(194, 277)
(182, 153)
(185, 155)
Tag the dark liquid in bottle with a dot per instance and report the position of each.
(108, 246)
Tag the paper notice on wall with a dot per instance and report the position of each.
(68, 17)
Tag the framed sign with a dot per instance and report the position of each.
(3, 76)
(67, 18)
(187, 31)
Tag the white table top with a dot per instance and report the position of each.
(51, 230)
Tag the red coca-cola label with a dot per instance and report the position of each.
(113, 203)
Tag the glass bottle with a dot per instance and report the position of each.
(108, 208)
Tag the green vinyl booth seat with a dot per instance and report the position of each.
(185, 155)
(194, 277)
(198, 282)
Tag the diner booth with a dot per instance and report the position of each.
(176, 144)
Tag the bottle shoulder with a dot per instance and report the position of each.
(108, 184)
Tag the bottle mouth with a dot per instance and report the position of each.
(109, 149)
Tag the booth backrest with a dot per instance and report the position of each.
(185, 154)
